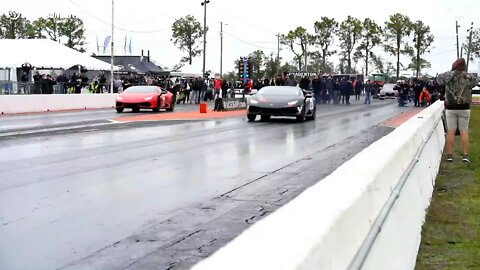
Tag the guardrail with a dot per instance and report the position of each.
(55, 102)
(365, 215)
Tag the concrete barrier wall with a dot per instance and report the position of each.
(42, 103)
(327, 225)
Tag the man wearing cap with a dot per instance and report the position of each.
(458, 97)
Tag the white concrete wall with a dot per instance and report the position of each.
(42, 103)
(324, 227)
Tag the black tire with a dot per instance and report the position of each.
(251, 117)
(172, 107)
(314, 114)
(265, 118)
(158, 106)
(301, 118)
(135, 110)
(119, 110)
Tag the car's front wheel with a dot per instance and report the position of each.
(251, 117)
(172, 107)
(302, 117)
(157, 109)
(314, 114)
(119, 110)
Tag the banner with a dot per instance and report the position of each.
(234, 104)
(105, 43)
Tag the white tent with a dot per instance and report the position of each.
(45, 54)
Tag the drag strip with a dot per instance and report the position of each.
(163, 194)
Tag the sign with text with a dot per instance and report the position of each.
(233, 104)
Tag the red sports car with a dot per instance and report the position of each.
(145, 97)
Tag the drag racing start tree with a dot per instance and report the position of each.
(245, 69)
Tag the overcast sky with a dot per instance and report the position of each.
(251, 24)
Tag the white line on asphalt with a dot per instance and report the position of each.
(50, 129)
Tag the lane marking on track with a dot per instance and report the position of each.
(181, 116)
(27, 132)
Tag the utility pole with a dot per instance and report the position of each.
(111, 45)
(456, 29)
(278, 47)
(204, 4)
(221, 49)
(306, 58)
(469, 45)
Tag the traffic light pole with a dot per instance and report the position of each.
(113, 53)
(245, 63)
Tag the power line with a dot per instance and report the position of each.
(248, 43)
(246, 21)
(117, 27)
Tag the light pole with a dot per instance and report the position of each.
(204, 4)
(456, 29)
(112, 44)
(221, 49)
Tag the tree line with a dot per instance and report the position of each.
(68, 29)
(357, 40)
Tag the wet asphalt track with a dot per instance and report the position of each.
(158, 195)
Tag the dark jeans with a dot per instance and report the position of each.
(187, 96)
(337, 96)
(417, 99)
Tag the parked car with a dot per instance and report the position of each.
(388, 92)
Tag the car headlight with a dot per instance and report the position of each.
(119, 98)
(253, 101)
(148, 98)
(293, 103)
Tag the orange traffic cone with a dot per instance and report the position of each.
(203, 107)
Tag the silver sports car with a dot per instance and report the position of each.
(282, 101)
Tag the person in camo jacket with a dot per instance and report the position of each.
(458, 98)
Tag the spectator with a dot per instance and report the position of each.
(291, 81)
(458, 98)
(329, 89)
(62, 81)
(47, 84)
(368, 93)
(37, 83)
(304, 83)
(358, 89)
(417, 88)
(224, 88)
(103, 83)
(425, 97)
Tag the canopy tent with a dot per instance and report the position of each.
(128, 64)
(44, 54)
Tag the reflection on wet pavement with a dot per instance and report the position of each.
(67, 196)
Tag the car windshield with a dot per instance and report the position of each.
(279, 91)
(141, 89)
(388, 87)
